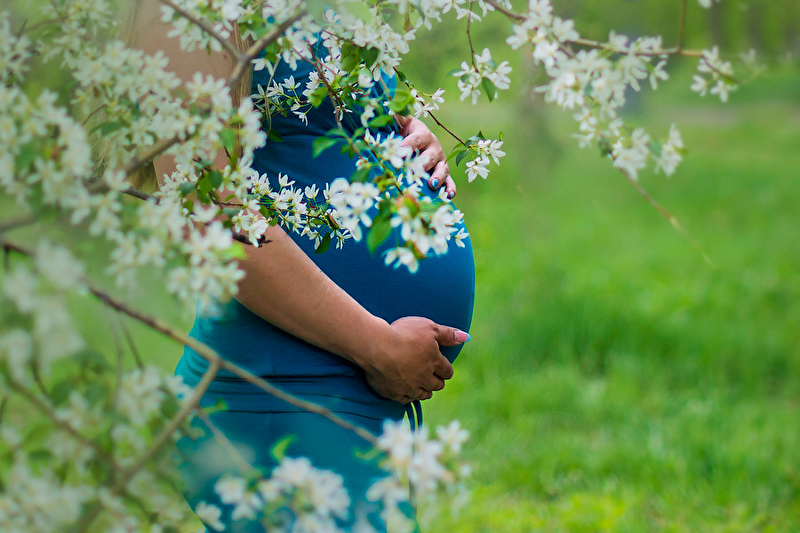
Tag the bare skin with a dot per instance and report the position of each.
(402, 360)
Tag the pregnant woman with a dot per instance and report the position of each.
(340, 329)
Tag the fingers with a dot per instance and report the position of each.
(423, 394)
(447, 336)
(432, 155)
(450, 187)
(443, 369)
(416, 141)
(434, 384)
(439, 176)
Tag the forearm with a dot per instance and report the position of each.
(283, 286)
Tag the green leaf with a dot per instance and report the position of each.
(204, 184)
(322, 143)
(461, 156)
(318, 95)
(227, 137)
(187, 187)
(235, 251)
(350, 57)
(27, 155)
(369, 55)
(279, 450)
(61, 390)
(379, 121)
(96, 392)
(489, 87)
(381, 228)
(273, 135)
(655, 148)
(91, 360)
(107, 127)
(457, 150)
(361, 175)
(215, 176)
(324, 244)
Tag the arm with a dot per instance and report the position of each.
(282, 285)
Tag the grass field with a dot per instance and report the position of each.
(616, 381)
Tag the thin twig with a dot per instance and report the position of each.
(669, 216)
(131, 343)
(469, 36)
(3, 404)
(681, 26)
(456, 137)
(17, 222)
(223, 440)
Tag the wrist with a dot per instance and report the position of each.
(373, 350)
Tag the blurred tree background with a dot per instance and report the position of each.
(616, 381)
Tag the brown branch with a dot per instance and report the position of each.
(211, 356)
(456, 137)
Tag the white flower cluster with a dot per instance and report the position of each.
(48, 333)
(34, 500)
(472, 77)
(14, 51)
(301, 210)
(593, 83)
(483, 150)
(314, 499)
(716, 75)
(352, 203)
(423, 107)
(429, 465)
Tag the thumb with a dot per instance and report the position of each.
(447, 336)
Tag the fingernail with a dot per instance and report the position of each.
(435, 183)
(462, 336)
(450, 195)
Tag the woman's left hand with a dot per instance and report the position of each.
(422, 140)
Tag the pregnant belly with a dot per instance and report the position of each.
(442, 289)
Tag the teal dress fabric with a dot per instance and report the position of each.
(441, 290)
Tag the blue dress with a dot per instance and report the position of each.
(441, 290)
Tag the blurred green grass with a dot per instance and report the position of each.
(616, 381)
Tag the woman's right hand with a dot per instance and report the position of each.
(407, 364)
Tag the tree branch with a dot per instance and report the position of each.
(676, 50)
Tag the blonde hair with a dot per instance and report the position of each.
(145, 178)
